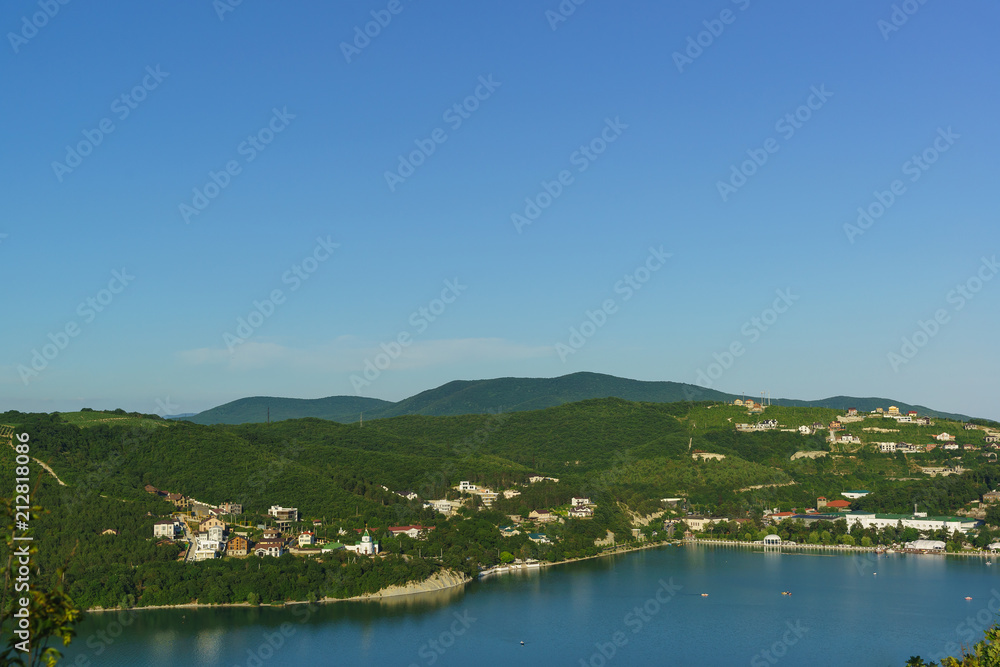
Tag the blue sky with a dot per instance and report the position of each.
(646, 143)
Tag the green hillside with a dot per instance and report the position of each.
(624, 455)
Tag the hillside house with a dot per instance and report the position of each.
(969, 427)
(581, 512)
(275, 548)
(534, 479)
(446, 507)
(238, 546)
(944, 437)
(212, 522)
(539, 538)
(415, 532)
(580, 502)
(169, 529)
(231, 508)
(542, 516)
(284, 515)
(179, 501)
(852, 412)
(307, 539)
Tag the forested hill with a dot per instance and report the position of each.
(462, 397)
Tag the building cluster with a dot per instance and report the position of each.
(485, 494)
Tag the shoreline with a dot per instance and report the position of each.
(439, 581)
(446, 579)
(839, 547)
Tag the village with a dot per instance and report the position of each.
(223, 531)
(212, 531)
(843, 440)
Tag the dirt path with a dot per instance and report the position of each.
(8, 432)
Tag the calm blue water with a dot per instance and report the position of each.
(643, 608)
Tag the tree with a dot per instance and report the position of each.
(52, 614)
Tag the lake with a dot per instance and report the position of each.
(640, 608)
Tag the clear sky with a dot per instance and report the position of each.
(673, 169)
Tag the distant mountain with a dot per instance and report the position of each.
(343, 409)
(462, 397)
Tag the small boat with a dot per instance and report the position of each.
(704, 595)
(967, 597)
(786, 592)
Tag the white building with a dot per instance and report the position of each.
(581, 502)
(854, 494)
(367, 546)
(446, 507)
(920, 521)
(269, 548)
(929, 545)
(467, 486)
(284, 514)
(169, 529)
(307, 539)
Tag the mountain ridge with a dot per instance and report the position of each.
(509, 394)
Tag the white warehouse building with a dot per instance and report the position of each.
(920, 521)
